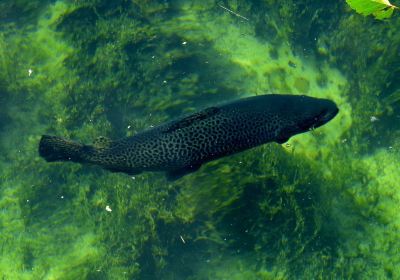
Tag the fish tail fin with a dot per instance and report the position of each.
(53, 148)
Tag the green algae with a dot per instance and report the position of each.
(317, 207)
(375, 198)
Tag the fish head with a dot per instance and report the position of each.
(315, 113)
(305, 113)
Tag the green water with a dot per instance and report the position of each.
(325, 205)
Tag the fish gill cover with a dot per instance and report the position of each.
(325, 205)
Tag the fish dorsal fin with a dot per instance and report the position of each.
(187, 121)
(102, 142)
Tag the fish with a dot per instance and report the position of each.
(180, 147)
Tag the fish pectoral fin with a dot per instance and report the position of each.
(179, 173)
(282, 140)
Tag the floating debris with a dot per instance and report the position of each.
(232, 12)
(374, 119)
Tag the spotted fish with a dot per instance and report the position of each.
(181, 146)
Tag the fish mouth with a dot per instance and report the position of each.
(324, 117)
(328, 115)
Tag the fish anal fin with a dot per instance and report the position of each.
(102, 142)
(187, 121)
(179, 173)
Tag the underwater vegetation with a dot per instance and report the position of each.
(322, 206)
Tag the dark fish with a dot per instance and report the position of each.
(180, 147)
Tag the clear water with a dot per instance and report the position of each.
(325, 205)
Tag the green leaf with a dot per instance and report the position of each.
(380, 9)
